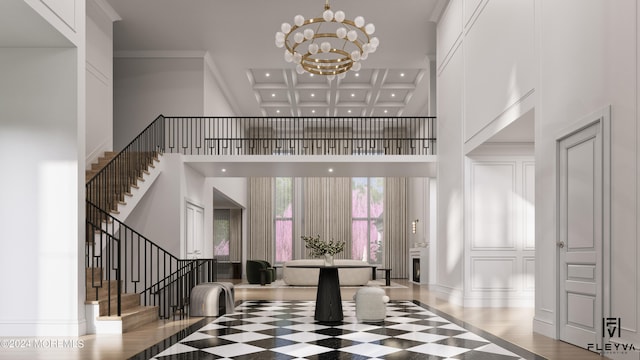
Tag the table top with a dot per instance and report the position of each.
(320, 266)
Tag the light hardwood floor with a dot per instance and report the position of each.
(511, 324)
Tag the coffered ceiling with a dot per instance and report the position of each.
(369, 92)
(239, 37)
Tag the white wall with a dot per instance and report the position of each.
(583, 61)
(146, 87)
(159, 213)
(485, 82)
(589, 61)
(216, 102)
(99, 74)
(419, 209)
(42, 247)
(450, 241)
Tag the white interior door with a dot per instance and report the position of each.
(194, 219)
(580, 236)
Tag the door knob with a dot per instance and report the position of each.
(560, 244)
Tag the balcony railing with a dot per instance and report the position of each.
(300, 136)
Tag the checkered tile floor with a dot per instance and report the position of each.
(287, 330)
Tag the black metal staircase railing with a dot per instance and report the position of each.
(138, 265)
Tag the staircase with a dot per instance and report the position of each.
(130, 280)
(101, 292)
(101, 295)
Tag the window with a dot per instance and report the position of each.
(221, 233)
(284, 219)
(367, 225)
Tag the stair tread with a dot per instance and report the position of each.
(141, 309)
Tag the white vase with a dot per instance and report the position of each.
(328, 260)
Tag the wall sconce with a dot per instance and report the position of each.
(414, 226)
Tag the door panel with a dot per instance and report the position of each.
(194, 231)
(580, 236)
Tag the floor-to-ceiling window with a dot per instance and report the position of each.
(367, 205)
(283, 219)
(221, 233)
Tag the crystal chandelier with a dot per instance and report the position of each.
(329, 45)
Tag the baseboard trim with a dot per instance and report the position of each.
(544, 328)
(452, 295)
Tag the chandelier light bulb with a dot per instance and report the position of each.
(356, 66)
(298, 20)
(370, 29)
(325, 46)
(288, 57)
(280, 36)
(297, 58)
(331, 77)
(340, 16)
(279, 44)
(355, 55)
(285, 27)
(313, 48)
(298, 37)
(299, 69)
(341, 33)
(374, 41)
(308, 34)
(327, 15)
(352, 35)
(342, 76)
(364, 56)
(359, 21)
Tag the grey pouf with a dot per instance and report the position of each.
(371, 304)
(212, 299)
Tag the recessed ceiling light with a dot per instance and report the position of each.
(267, 74)
(349, 111)
(393, 95)
(401, 74)
(330, 169)
(313, 111)
(273, 95)
(353, 94)
(310, 75)
(223, 170)
(313, 94)
(357, 75)
(386, 111)
(278, 111)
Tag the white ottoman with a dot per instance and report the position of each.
(371, 304)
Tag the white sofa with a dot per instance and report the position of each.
(309, 276)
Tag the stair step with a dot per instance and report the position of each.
(103, 292)
(127, 302)
(134, 317)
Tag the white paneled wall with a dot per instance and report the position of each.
(499, 247)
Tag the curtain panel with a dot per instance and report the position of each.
(327, 210)
(261, 232)
(396, 227)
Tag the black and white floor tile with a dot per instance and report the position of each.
(287, 330)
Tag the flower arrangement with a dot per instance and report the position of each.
(318, 248)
